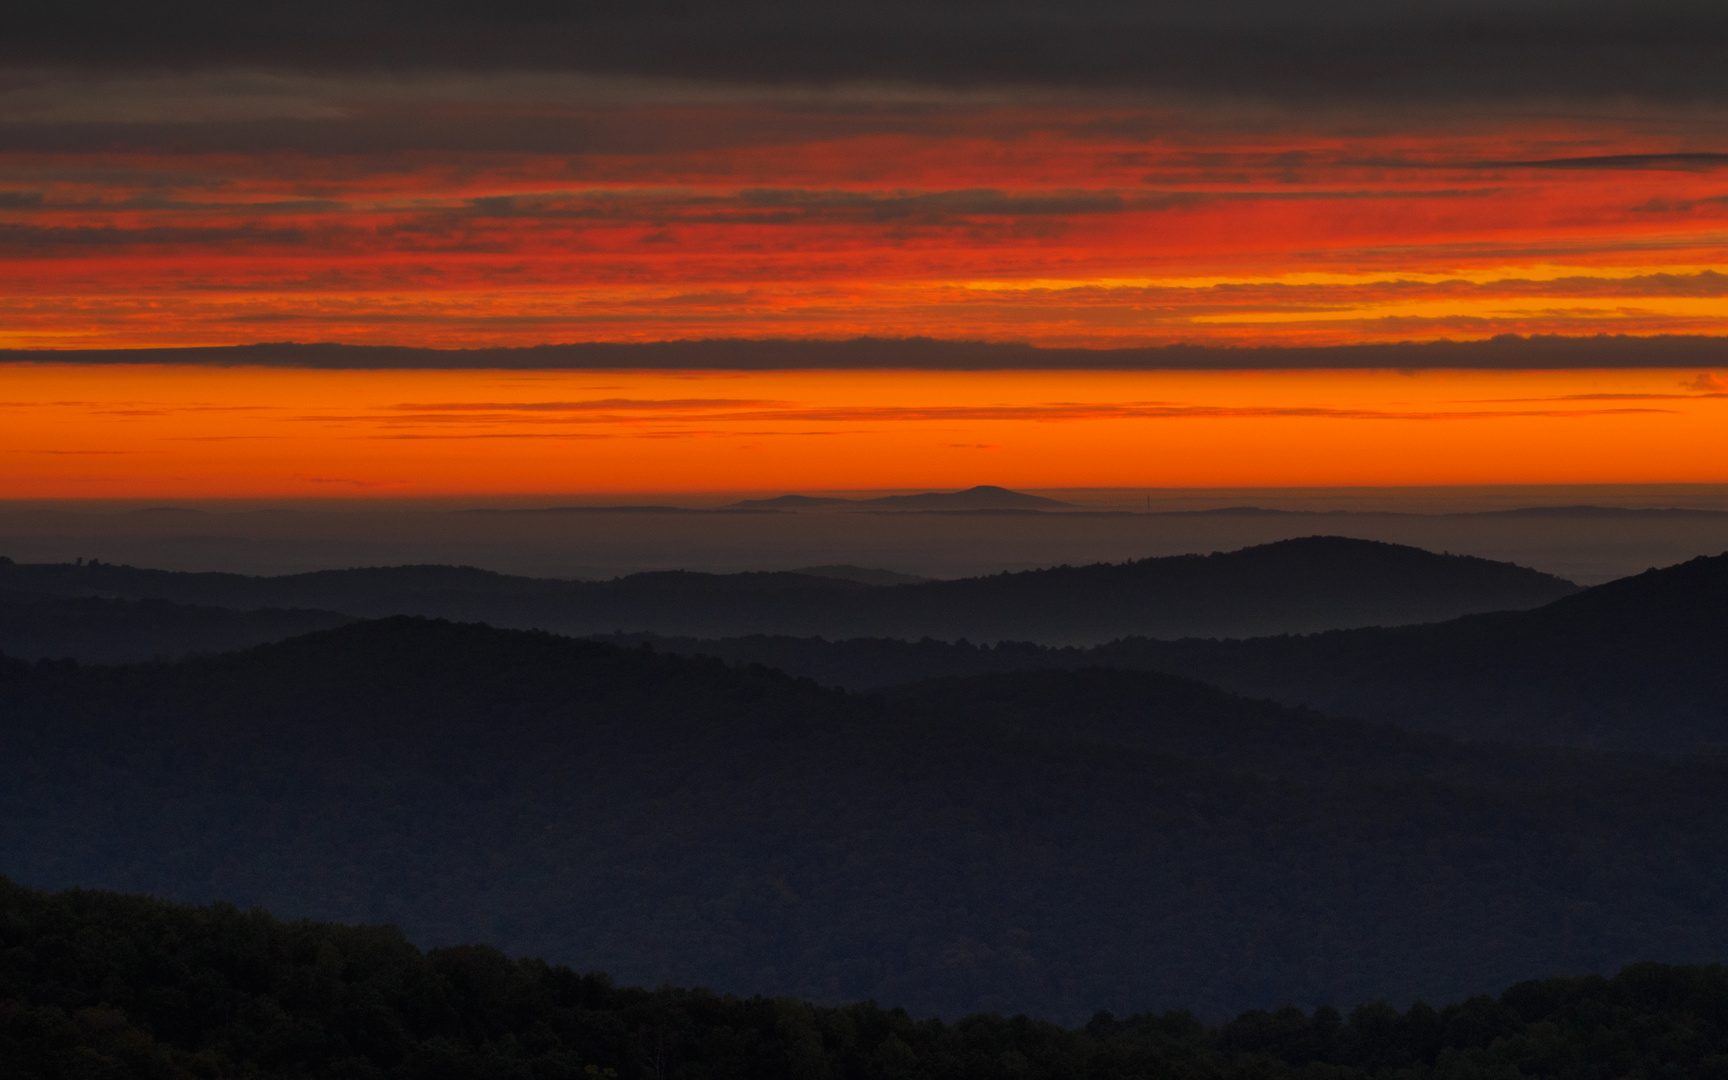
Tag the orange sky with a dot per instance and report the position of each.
(426, 213)
(68, 431)
(413, 209)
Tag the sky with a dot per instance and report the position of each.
(1086, 179)
(193, 432)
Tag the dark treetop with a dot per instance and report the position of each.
(93, 984)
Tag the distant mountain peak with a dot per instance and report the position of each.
(979, 497)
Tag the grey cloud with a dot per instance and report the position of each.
(1600, 49)
(586, 137)
(153, 201)
(1705, 283)
(792, 206)
(892, 206)
(1503, 352)
(786, 206)
(157, 202)
(1661, 205)
(1691, 162)
(47, 240)
(385, 130)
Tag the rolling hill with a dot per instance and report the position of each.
(1054, 841)
(982, 497)
(1291, 586)
(34, 626)
(1637, 664)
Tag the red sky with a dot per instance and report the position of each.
(216, 208)
(158, 210)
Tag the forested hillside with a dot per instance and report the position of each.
(95, 984)
(1315, 583)
(1639, 664)
(101, 630)
(1050, 842)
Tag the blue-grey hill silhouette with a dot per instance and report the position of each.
(1639, 664)
(981, 497)
(1310, 584)
(1052, 841)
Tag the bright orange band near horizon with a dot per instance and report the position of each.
(127, 431)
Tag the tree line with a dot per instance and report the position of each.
(99, 984)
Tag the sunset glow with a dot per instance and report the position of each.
(1042, 539)
(460, 208)
(459, 211)
(181, 431)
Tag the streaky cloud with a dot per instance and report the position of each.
(1688, 162)
(1420, 50)
(1507, 351)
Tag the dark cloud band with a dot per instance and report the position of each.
(1337, 48)
(1508, 352)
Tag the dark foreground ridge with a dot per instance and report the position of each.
(1315, 583)
(1636, 664)
(98, 984)
(1052, 842)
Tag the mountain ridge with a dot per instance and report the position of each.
(980, 497)
(1630, 664)
(1052, 842)
(1304, 584)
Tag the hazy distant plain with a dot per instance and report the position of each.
(601, 539)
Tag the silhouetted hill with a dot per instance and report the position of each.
(1291, 586)
(877, 663)
(982, 497)
(791, 502)
(96, 630)
(1047, 841)
(1639, 513)
(1640, 664)
(95, 984)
